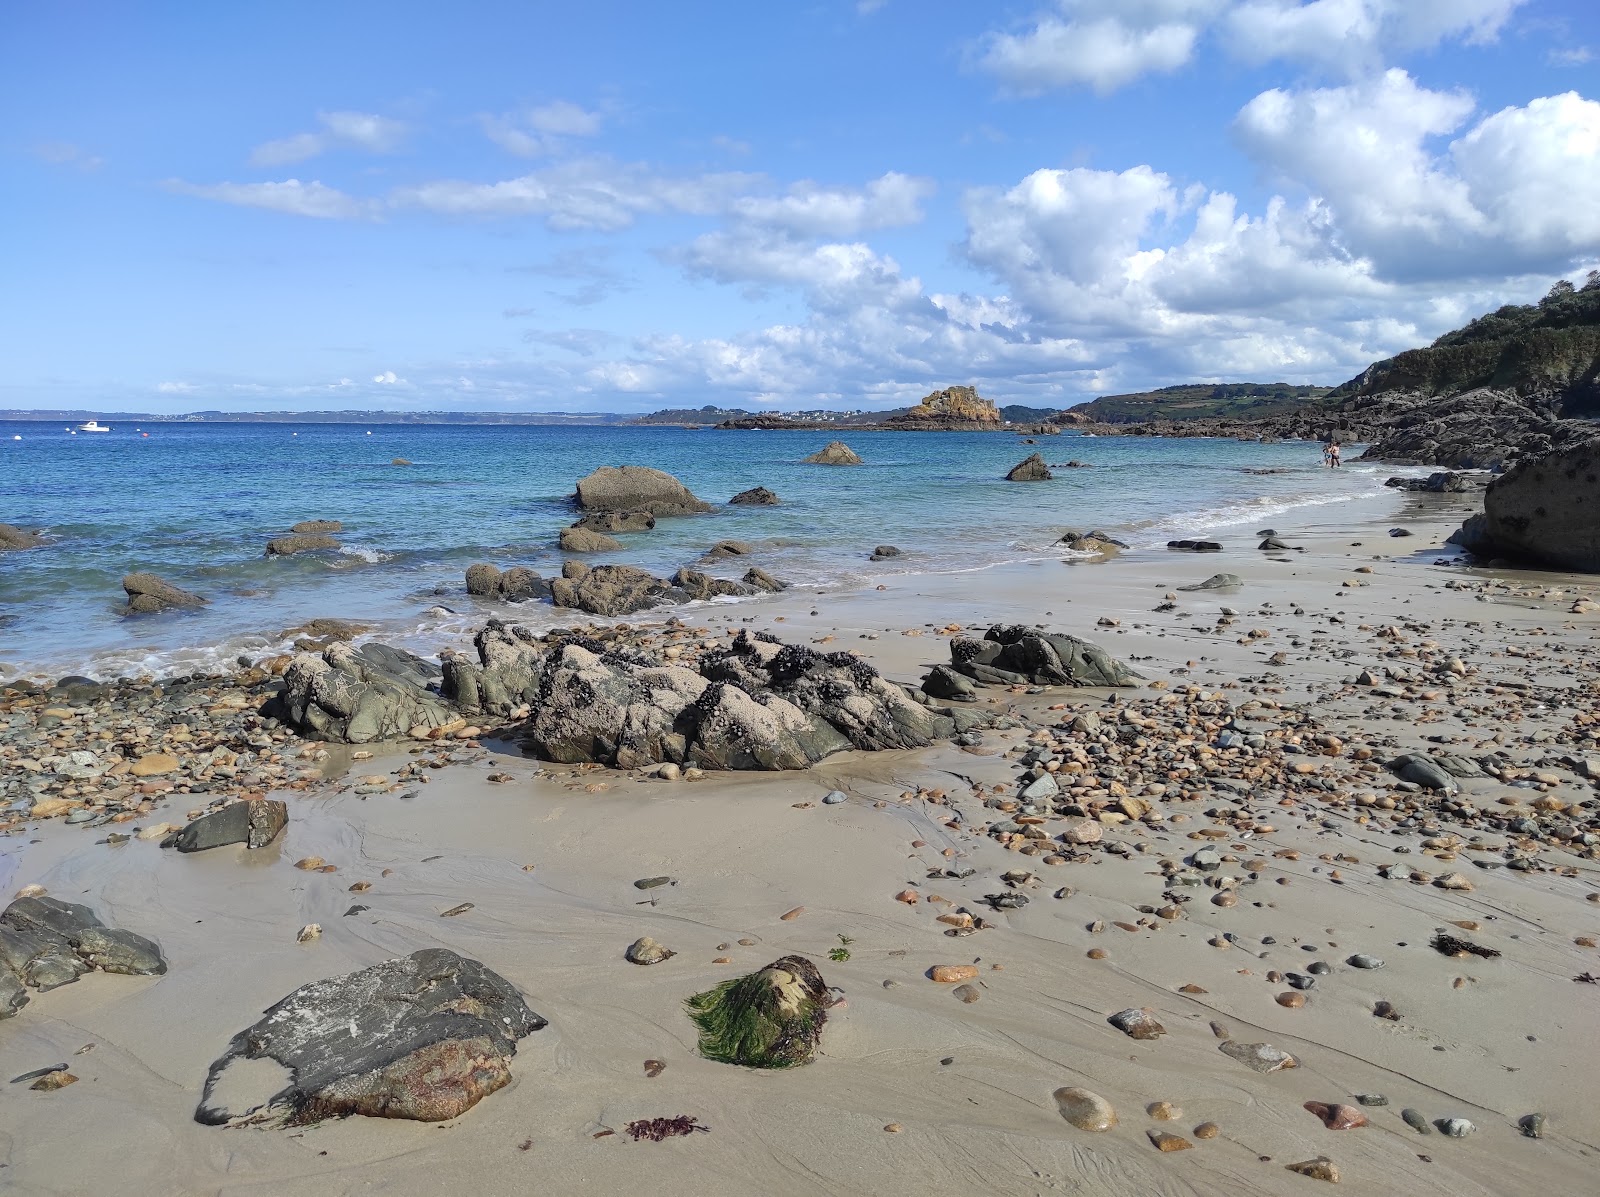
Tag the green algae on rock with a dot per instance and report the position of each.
(767, 1019)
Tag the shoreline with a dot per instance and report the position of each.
(746, 847)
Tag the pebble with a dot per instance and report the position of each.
(834, 797)
(1321, 1168)
(653, 882)
(1207, 1130)
(949, 974)
(1097, 953)
(59, 1079)
(1336, 1115)
(1361, 960)
(894, 1128)
(1532, 1125)
(1372, 1099)
(789, 916)
(1168, 1142)
(966, 993)
(309, 932)
(1163, 1111)
(1259, 1057)
(1085, 1109)
(1415, 1120)
(1455, 1128)
(1137, 1023)
(645, 950)
(1291, 999)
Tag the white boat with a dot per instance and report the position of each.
(93, 426)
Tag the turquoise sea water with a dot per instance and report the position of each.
(196, 503)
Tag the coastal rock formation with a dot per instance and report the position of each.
(1439, 482)
(772, 1018)
(12, 537)
(516, 585)
(148, 594)
(583, 540)
(424, 1036)
(703, 586)
(758, 705)
(760, 579)
(636, 488)
(756, 496)
(255, 823)
(307, 542)
(612, 522)
(728, 548)
(611, 589)
(834, 453)
(1030, 469)
(1101, 544)
(505, 677)
(318, 526)
(45, 943)
(1019, 654)
(356, 696)
(955, 408)
(1544, 510)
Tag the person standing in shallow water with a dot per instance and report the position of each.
(1333, 455)
(1327, 455)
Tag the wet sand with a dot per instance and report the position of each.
(548, 860)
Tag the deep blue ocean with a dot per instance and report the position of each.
(197, 502)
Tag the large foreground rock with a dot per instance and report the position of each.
(148, 594)
(356, 696)
(12, 537)
(45, 943)
(611, 590)
(1545, 511)
(759, 705)
(835, 453)
(636, 488)
(424, 1036)
(1030, 469)
(1023, 655)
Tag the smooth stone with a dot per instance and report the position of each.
(1164, 1141)
(833, 797)
(1336, 1115)
(1455, 1128)
(1532, 1125)
(1361, 960)
(645, 950)
(1085, 1109)
(651, 882)
(1259, 1057)
(1137, 1023)
(1372, 1099)
(1321, 1168)
(1415, 1120)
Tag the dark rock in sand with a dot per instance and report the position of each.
(1216, 582)
(583, 540)
(45, 943)
(611, 589)
(318, 526)
(12, 537)
(636, 488)
(760, 579)
(1195, 546)
(424, 1036)
(1423, 771)
(703, 586)
(1543, 511)
(1439, 482)
(724, 549)
(285, 546)
(1023, 655)
(148, 594)
(1399, 531)
(255, 823)
(612, 522)
(944, 682)
(356, 696)
(1030, 469)
(834, 453)
(1098, 543)
(759, 705)
(756, 496)
(1273, 545)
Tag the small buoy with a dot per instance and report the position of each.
(369, 433)
(294, 434)
(144, 434)
(16, 438)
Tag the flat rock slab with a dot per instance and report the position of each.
(45, 943)
(254, 823)
(424, 1036)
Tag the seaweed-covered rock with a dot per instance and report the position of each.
(834, 453)
(1020, 654)
(255, 823)
(356, 696)
(45, 943)
(148, 594)
(612, 522)
(424, 1036)
(636, 488)
(767, 1019)
(611, 589)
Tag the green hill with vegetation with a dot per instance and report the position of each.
(1204, 401)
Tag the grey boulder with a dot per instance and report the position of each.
(45, 943)
(255, 823)
(636, 488)
(834, 453)
(1423, 771)
(148, 594)
(1030, 469)
(1022, 655)
(756, 496)
(586, 540)
(356, 696)
(611, 589)
(300, 542)
(612, 522)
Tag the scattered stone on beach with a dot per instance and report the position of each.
(636, 488)
(1362, 960)
(1422, 770)
(154, 764)
(1163, 1111)
(255, 823)
(1022, 655)
(1137, 1023)
(949, 974)
(1454, 1128)
(58, 1078)
(1416, 1120)
(1206, 1130)
(645, 950)
(1532, 1125)
(612, 522)
(1030, 469)
(424, 1036)
(308, 526)
(756, 496)
(45, 943)
(309, 932)
(768, 1019)
(148, 594)
(1085, 1109)
(1258, 1057)
(1337, 1116)
(1321, 1168)
(13, 538)
(1217, 582)
(834, 453)
(1167, 1141)
(584, 540)
(1273, 544)
(286, 546)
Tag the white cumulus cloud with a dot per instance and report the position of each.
(351, 130)
(291, 196)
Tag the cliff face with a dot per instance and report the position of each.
(950, 407)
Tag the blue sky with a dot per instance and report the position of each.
(620, 207)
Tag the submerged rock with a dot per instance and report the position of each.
(636, 488)
(612, 522)
(255, 823)
(586, 540)
(835, 453)
(148, 594)
(759, 579)
(12, 537)
(698, 585)
(424, 1036)
(1022, 655)
(756, 496)
(45, 943)
(318, 526)
(767, 1019)
(285, 546)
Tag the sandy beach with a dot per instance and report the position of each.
(917, 1090)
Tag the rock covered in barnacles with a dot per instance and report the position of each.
(424, 1036)
(767, 1019)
